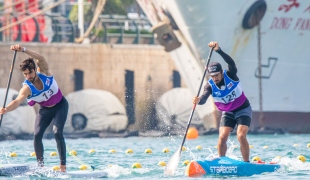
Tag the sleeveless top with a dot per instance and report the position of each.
(229, 98)
(48, 96)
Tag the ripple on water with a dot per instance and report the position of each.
(119, 165)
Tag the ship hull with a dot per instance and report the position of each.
(281, 122)
(279, 47)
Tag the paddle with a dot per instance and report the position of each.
(9, 82)
(174, 160)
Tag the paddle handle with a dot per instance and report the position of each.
(9, 82)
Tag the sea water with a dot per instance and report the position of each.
(118, 165)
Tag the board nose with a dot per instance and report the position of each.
(194, 169)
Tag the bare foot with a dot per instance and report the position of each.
(63, 168)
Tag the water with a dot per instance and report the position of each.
(119, 164)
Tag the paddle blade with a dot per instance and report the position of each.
(173, 163)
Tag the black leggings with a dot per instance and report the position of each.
(58, 115)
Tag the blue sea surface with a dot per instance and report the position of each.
(119, 165)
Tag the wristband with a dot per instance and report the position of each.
(24, 49)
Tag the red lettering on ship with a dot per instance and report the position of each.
(286, 7)
(308, 9)
(281, 23)
(302, 24)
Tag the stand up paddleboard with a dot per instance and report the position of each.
(13, 169)
(20, 169)
(225, 166)
(85, 174)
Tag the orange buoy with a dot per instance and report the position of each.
(192, 133)
(193, 169)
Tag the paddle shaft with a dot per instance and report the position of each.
(194, 106)
(9, 82)
(174, 160)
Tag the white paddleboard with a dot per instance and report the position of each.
(85, 174)
(13, 169)
(20, 169)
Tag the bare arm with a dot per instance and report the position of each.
(23, 94)
(40, 60)
(42, 64)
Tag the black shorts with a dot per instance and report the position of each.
(242, 117)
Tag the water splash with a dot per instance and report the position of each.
(116, 171)
(293, 164)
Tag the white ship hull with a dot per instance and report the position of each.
(285, 55)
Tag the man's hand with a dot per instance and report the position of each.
(196, 100)
(2, 110)
(214, 44)
(17, 48)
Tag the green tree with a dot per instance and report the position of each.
(111, 7)
(117, 6)
(88, 14)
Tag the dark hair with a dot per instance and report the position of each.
(27, 64)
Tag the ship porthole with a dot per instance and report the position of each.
(254, 14)
(79, 121)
